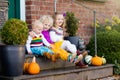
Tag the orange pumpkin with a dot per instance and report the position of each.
(96, 60)
(33, 67)
(25, 67)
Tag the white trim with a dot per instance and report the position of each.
(22, 10)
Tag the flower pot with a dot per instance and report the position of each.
(12, 60)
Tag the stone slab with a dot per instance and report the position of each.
(69, 73)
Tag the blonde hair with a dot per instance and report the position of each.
(55, 16)
(47, 19)
(36, 24)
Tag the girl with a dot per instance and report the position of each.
(59, 52)
(64, 55)
(56, 35)
(34, 44)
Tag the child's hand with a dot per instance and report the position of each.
(31, 34)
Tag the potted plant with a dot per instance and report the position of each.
(12, 51)
(72, 24)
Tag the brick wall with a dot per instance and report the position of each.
(82, 9)
(3, 12)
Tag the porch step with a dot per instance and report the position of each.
(68, 73)
(46, 64)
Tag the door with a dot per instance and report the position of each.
(14, 9)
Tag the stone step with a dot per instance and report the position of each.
(46, 64)
(113, 77)
(68, 73)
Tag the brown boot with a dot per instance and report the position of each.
(53, 58)
(48, 55)
(56, 55)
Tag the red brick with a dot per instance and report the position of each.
(37, 8)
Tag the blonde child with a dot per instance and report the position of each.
(63, 54)
(48, 23)
(35, 44)
(56, 35)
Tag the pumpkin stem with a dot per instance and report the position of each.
(103, 56)
(34, 59)
(95, 55)
(27, 59)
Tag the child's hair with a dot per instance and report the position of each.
(47, 19)
(36, 24)
(55, 16)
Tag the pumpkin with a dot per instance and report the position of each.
(25, 67)
(96, 60)
(33, 67)
(88, 59)
(103, 60)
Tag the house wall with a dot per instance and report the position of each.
(3, 12)
(83, 10)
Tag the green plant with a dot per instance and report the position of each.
(108, 25)
(108, 44)
(108, 40)
(116, 68)
(71, 23)
(14, 32)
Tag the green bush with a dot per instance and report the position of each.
(108, 40)
(116, 69)
(108, 44)
(14, 32)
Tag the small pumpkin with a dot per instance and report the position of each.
(25, 67)
(103, 60)
(96, 61)
(33, 67)
(88, 59)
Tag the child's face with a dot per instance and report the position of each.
(38, 29)
(46, 26)
(59, 20)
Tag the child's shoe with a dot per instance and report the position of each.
(73, 56)
(56, 55)
(48, 55)
(76, 59)
(81, 64)
(80, 57)
(53, 58)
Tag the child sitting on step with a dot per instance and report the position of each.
(56, 35)
(63, 54)
(35, 44)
